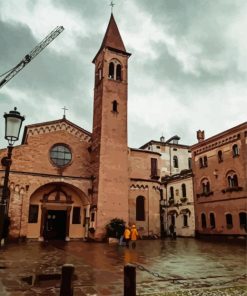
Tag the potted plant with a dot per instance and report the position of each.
(114, 230)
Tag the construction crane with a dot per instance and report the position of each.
(30, 56)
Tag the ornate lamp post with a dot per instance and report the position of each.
(13, 123)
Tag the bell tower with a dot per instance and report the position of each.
(109, 138)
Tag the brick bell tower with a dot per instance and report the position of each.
(109, 138)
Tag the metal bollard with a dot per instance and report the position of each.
(129, 280)
(66, 288)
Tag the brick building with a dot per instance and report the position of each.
(220, 182)
(68, 183)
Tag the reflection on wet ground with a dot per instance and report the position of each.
(177, 266)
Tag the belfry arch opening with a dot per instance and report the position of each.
(115, 70)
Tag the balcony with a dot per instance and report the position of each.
(155, 175)
(204, 194)
(232, 189)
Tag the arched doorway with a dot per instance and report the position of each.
(58, 211)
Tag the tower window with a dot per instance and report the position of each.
(190, 163)
(119, 72)
(114, 106)
(111, 70)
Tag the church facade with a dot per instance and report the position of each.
(68, 183)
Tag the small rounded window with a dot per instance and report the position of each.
(60, 155)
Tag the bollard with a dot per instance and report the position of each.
(129, 280)
(66, 288)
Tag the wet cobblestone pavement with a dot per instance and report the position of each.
(181, 267)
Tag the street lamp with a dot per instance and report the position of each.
(13, 123)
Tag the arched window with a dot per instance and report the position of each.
(183, 190)
(200, 162)
(119, 72)
(205, 161)
(235, 151)
(229, 221)
(114, 106)
(185, 220)
(212, 220)
(140, 208)
(205, 186)
(173, 220)
(175, 161)
(243, 220)
(111, 70)
(203, 220)
(171, 192)
(220, 156)
(232, 179)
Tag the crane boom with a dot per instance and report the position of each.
(31, 55)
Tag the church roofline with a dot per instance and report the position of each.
(151, 142)
(52, 122)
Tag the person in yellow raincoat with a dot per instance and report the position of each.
(133, 236)
(127, 236)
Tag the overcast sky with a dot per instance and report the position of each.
(187, 70)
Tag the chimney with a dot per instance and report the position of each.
(200, 136)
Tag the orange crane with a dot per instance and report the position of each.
(31, 55)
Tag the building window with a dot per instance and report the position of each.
(243, 220)
(111, 71)
(175, 161)
(119, 72)
(76, 218)
(229, 221)
(154, 166)
(203, 162)
(205, 186)
(114, 106)
(140, 208)
(185, 220)
(232, 180)
(183, 190)
(171, 192)
(203, 220)
(212, 220)
(92, 217)
(220, 156)
(235, 150)
(60, 155)
(33, 214)
(190, 163)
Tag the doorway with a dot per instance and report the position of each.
(55, 225)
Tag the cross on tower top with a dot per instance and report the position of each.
(112, 5)
(64, 111)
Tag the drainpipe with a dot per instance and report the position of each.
(170, 160)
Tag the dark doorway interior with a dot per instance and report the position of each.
(55, 225)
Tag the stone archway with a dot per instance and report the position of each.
(58, 211)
